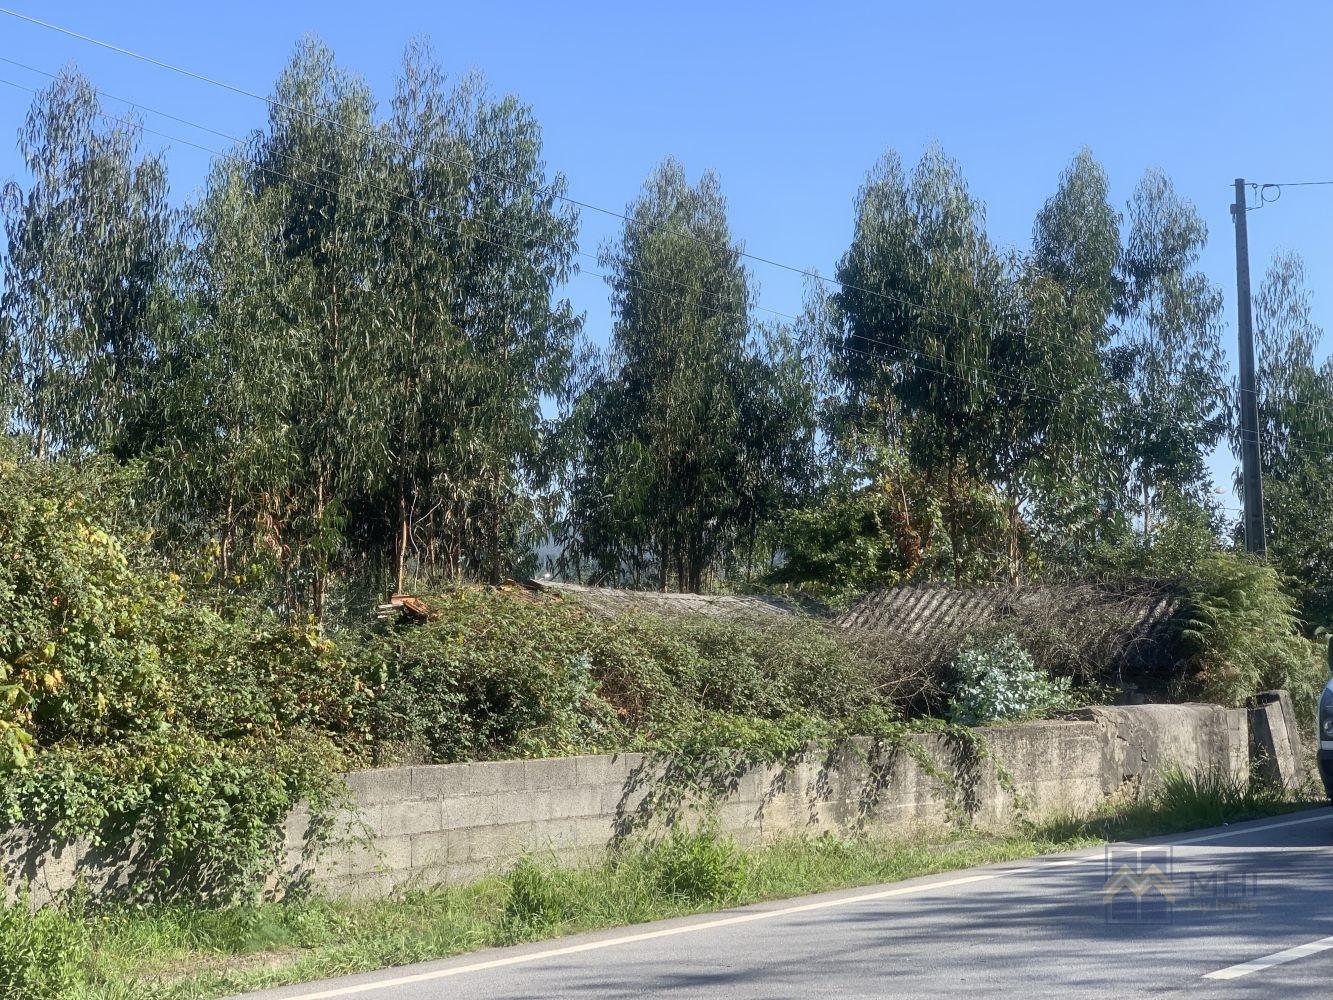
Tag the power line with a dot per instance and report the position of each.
(377, 137)
(374, 136)
(332, 173)
(961, 367)
(963, 371)
(421, 202)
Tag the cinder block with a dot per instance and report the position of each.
(386, 785)
(503, 841)
(439, 849)
(438, 781)
(490, 776)
(410, 816)
(578, 800)
(519, 806)
(605, 769)
(383, 854)
(555, 772)
(465, 811)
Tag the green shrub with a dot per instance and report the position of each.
(40, 952)
(1242, 635)
(999, 681)
(495, 674)
(505, 673)
(132, 713)
(696, 867)
(536, 900)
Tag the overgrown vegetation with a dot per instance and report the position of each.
(999, 681)
(1243, 635)
(137, 716)
(346, 370)
(183, 953)
(139, 711)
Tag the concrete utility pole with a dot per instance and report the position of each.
(1251, 479)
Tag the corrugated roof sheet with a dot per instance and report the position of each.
(609, 601)
(917, 609)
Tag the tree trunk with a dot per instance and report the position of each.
(400, 556)
(955, 528)
(319, 580)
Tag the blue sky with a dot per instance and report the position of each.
(790, 103)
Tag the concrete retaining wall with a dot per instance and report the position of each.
(450, 823)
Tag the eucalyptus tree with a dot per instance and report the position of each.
(1295, 417)
(779, 464)
(663, 479)
(428, 365)
(478, 339)
(1059, 454)
(227, 455)
(89, 240)
(1169, 340)
(520, 239)
(1296, 435)
(272, 381)
(320, 168)
(925, 298)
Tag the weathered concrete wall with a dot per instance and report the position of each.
(1275, 739)
(424, 825)
(453, 822)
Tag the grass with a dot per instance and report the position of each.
(174, 953)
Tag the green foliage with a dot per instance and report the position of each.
(1244, 636)
(1295, 437)
(840, 548)
(859, 536)
(502, 673)
(697, 867)
(89, 245)
(354, 394)
(1171, 413)
(694, 429)
(922, 280)
(494, 675)
(41, 952)
(537, 900)
(999, 681)
(142, 716)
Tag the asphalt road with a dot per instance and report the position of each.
(1240, 911)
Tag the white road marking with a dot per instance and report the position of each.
(1268, 961)
(745, 918)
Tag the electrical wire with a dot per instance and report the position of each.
(990, 371)
(806, 273)
(961, 367)
(134, 123)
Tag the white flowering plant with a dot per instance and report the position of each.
(998, 680)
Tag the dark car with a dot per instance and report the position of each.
(1325, 735)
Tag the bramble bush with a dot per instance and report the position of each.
(133, 713)
(509, 673)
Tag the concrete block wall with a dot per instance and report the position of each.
(454, 822)
(450, 823)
